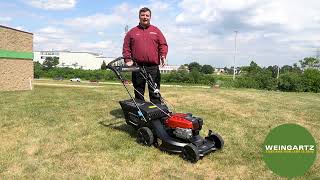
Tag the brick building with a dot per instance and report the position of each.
(16, 54)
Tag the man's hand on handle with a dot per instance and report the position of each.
(128, 62)
(163, 61)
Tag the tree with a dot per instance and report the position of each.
(244, 69)
(37, 69)
(50, 62)
(286, 68)
(254, 68)
(194, 66)
(228, 70)
(207, 69)
(273, 70)
(75, 65)
(103, 66)
(290, 81)
(194, 76)
(183, 68)
(296, 68)
(311, 80)
(309, 62)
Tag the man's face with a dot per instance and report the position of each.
(145, 18)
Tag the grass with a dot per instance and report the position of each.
(79, 132)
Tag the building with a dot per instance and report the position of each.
(16, 66)
(76, 60)
(85, 60)
(168, 68)
(219, 70)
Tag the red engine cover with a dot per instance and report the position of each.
(178, 120)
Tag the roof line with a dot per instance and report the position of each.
(16, 29)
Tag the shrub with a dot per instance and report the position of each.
(311, 80)
(246, 82)
(265, 80)
(290, 82)
(194, 77)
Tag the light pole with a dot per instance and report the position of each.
(126, 29)
(234, 57)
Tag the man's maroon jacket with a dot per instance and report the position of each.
(145, 45)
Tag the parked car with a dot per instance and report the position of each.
(58, 78)
(94, 81)
(75, 80)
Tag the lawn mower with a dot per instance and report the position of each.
(157, 125)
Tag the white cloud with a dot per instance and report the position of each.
(51, 30)
(5, 19)
(97, 21)
(158, 5)
(109, 48)
(289, 15)
(96, 45)
(38, 39)
(22, 28)
(122, 8)
(100, 33)
(231, 5)
(50, 37)
(270, 31)
(292, 15)
(195, 12)
(52, 4)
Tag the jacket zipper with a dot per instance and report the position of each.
(145, 46)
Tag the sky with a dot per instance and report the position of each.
(269, 32)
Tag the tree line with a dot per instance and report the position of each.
(287, 78)
(303, 78)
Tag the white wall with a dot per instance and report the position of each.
(84, 60)
(168, 68)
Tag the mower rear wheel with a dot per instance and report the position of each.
(145, 136)
(191, 153)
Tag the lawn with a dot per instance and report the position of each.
(79, 132)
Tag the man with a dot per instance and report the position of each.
(146, 44)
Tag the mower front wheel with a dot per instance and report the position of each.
(191, 153)
(145, 136)
(217, 139)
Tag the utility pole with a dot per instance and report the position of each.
(126, 28)
(278, 72)
(234, 57)
(318, 59)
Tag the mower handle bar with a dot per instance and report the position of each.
(117, 69)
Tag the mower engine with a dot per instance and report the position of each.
(184, 126)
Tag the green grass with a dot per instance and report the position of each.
(79, 132)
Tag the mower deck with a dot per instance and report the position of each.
(196, 145)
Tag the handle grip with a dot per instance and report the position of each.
(118, 69)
